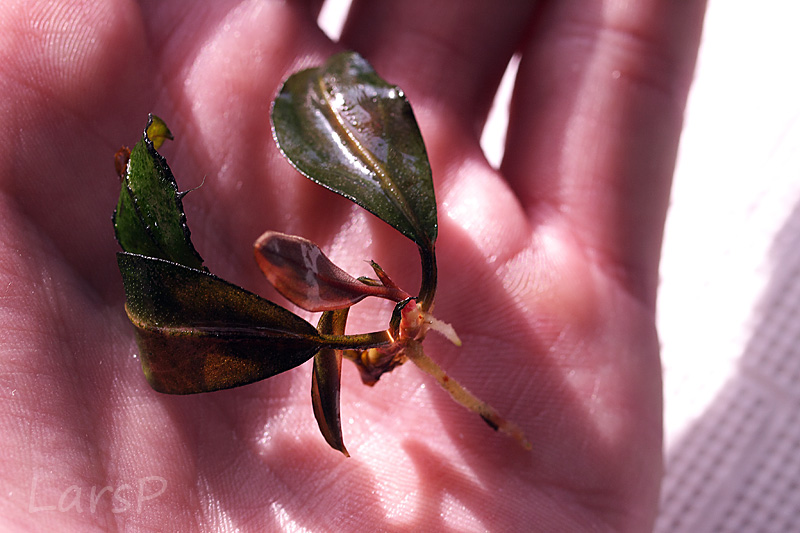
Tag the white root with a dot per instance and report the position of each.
(443, 328)
(461, 395)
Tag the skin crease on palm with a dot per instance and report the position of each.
(548, 266)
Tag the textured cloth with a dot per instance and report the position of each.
(729, 301)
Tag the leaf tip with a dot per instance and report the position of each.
(157, 131)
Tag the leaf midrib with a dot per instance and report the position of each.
(373, 164)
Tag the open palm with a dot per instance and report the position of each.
(548, 267)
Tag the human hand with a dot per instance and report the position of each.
(547, 267)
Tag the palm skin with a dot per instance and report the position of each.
(548, 267)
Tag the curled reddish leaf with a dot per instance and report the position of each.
(326, 382)
(299, 270)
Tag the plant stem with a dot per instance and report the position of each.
(429, 277)
(361, 341)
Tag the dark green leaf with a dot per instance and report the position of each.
(149, 219)
(326, 381)
(345, 128)
(199, 333)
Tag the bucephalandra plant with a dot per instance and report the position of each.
(346, 129)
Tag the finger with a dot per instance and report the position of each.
(172, 23)
(595, 122)
(449, 59)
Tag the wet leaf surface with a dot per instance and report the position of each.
(347, 129)
(149, 219)
(195, 331)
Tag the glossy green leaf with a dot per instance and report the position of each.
(304, 275)
(326, 381)
(199, 333)
(347, 129)
(149, 219)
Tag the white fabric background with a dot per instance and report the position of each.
(729, 301)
